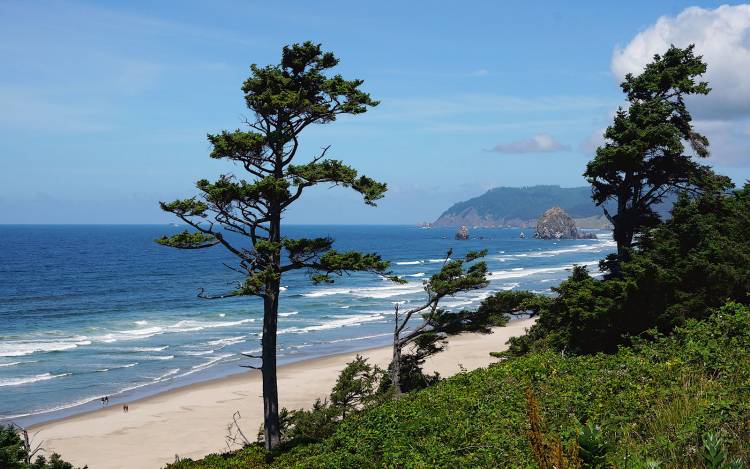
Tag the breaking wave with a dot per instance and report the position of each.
(30, 379)
(339, 321)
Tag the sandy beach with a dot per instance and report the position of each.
(192, 421)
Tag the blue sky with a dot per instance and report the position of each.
(104, 107)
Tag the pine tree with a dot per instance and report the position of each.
(244, 215)
(429, 337)
(645, 157)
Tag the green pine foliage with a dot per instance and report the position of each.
(428, 336)
(645, 157)
(649, 405)
(646, 367)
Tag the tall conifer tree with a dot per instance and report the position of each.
(645, 156)
(284, 100)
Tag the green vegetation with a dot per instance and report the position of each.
(244, 216)
(357, 387)
(15, 453)
(412, 346)
(656, 400)
(695, 261)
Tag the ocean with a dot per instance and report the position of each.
(94, 310)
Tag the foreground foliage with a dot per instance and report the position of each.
(667, 400)
(14, 453)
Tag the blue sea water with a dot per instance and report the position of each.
(89, 311)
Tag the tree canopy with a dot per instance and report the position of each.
(651, 149)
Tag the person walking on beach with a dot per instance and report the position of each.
(125, 408)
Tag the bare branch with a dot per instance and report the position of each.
(202, 295)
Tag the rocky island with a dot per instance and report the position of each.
(556, 224)
(462, 233)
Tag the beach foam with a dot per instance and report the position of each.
(369, 292)
(211, 361)
(524, 272)
(21, 348)
(198, 354)
(157, 357)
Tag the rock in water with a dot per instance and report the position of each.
(462, 233)
(556, 224)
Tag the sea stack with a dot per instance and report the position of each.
(462, 233)
(556, 224)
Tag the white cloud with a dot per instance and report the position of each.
(540, 143)
(721, 35)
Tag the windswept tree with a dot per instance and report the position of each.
(428, 337)
(244, 215)
(645, 156)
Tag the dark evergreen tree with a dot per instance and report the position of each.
(645, 156)
(684, 269)
(285, 99)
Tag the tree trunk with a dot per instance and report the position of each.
(271, 430)
(271, 427)
(396, 360)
